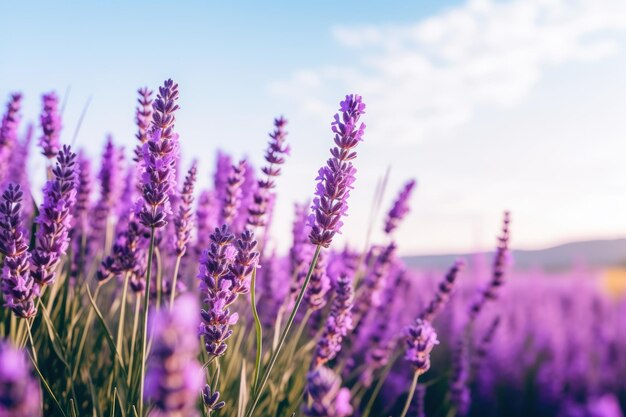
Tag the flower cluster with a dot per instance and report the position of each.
(160, 155)
(420, 341)
(324, 395)
(20, 392)
(8, 132)
(400, 207)
(50, 125)
(275, 156)
(234, 193)
(55, 218)
(184, 219)
(18, 286)
(443, 292)
(143, 118)
(174, 377)
(336, 178)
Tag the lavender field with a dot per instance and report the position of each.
(129, 291)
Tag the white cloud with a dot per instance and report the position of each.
(427, 79)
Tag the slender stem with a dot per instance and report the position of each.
(284, 334)
(174, 279)
(32, 343)
(259, 332)
(122, 319)
(409, 398)
(144, 339)
(134, 338)
(379, 385)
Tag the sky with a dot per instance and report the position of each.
(490, 105)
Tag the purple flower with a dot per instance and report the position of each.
(375, 280)
(246, 260)
(174, 375)
(459, 389)
(217, 291)
(111, 179)
(420, 341)
(336, 178)
(206, 219)
(127, 256)
(318, 286)
(160, 155)
(18, 286)
(184, 220)
(211, 399)
(50, 125)
(443, 292)
(258, 212)
(20, 393)
(232, 198)
(18, 170)
(143, 118)
(324, 396)
(83, 191)
(338, 324)
(301, 250)
(400, 207)
(55, 218)
(8, 132)
(223, 166)
(498, 270)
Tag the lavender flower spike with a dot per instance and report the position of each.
(20, 392)
(324, 396)
(217, 292)
(8, 132)
(498, 269)
(143, 118)
(338, 324)
(400, 207)
(160, 155)
(420, 340)
(184, 220)
(232, 199)
(174, 376)
(55, 218)
(18, 286)
(336, 178)
(50, 125)
(246, 260)
(275, 156)
(443, 292)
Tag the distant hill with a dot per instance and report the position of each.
(596, 253)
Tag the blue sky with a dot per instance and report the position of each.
(491, 105)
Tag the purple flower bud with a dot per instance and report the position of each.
(160, 155)
(211, 399)
(498, 270)
(8, 133)
(459, 390)
(20, 393)
(184, 220)
(259, 211)
(443, 292)
(400, 207)
(83, 191)
(111, 179)
(318, 286)
(55, 218)
(217, 292)
(336, 178)
(338, 324)
(206, 219)
(375, 281)
(232, 198)
(18, 286)
(245, 262)
(324, 396)
(143, 119)
(50, 125)
(174, 375)
(420, 341)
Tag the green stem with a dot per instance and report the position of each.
(284, 334)
(259, 332)
(379, 385)
(144, 339)
(409, 398)
(122, 319)
(174, 279)
(83, 338)
(134, 338)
